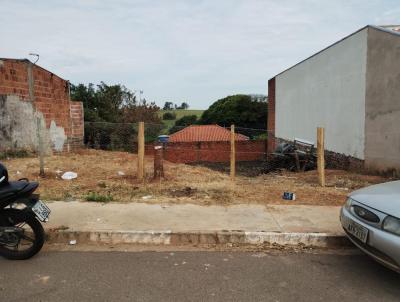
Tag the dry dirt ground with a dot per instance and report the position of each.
(100, 177)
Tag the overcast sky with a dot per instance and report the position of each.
(174, 50)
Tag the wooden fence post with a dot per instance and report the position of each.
(40, 146)
(140, 162)
(233, 153)
(321, 155)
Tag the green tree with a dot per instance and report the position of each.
(86, 95)
(183, 122)
(113, 100)
(113, 104)
(168, 106)
(241, 110)
(183, 106)
(110, 112)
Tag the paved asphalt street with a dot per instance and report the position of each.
(197, 276)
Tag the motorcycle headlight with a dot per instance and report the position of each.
(347, 205)
(392, 225)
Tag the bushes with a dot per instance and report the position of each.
(111, 116)
(96, 197)
(109, 136)
(183, 122)
(118, 136)
(169, 116)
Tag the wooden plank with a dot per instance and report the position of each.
(321, 155)
(233, 153)
(140, 162)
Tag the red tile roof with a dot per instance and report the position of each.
(204, 133)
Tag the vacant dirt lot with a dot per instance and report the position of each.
(111, 176)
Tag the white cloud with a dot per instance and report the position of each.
(195, 51)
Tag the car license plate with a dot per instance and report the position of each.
(356, 229)
(41, 210)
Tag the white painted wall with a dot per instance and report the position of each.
(327, 90)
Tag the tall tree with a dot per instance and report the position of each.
(168, 106)
(110, 113)
(184, 106)
(113, 104)
(86, 95)
(241, 110)
(113, 100)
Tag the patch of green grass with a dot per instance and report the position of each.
(179, 114)
(93, 196)
(182, 112)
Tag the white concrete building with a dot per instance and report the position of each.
(352, 88)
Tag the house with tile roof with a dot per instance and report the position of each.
(211, 143)
(204, 133)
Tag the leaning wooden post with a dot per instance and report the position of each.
(233, 153)
(140, 162)
(321, 156)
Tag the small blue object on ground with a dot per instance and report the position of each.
(289, 196)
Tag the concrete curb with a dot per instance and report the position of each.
(193, 238)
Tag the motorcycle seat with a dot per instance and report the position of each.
(13, 187)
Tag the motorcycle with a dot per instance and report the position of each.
(21, 213)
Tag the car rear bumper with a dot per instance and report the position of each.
(384, 247)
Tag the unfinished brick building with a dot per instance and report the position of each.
(35, 106)
(351, 88)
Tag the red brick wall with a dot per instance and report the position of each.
(51, 95)
(77, 124)
(271, 115)
(14, 79)
(213, 151)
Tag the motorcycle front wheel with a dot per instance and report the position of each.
(26, 241)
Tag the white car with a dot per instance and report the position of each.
(371, 220)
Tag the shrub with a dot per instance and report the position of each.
(170, 116)
(93, 196)
(110, 136)
(183, 122)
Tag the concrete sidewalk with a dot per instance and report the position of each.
(169, 224)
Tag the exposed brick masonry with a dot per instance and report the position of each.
(190, 152)
(51, 96)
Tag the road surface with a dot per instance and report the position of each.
(197, 276)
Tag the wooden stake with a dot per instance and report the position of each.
(233, 153)
(321, 156)
(40, 146)
(158, 162)
(140, 162)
